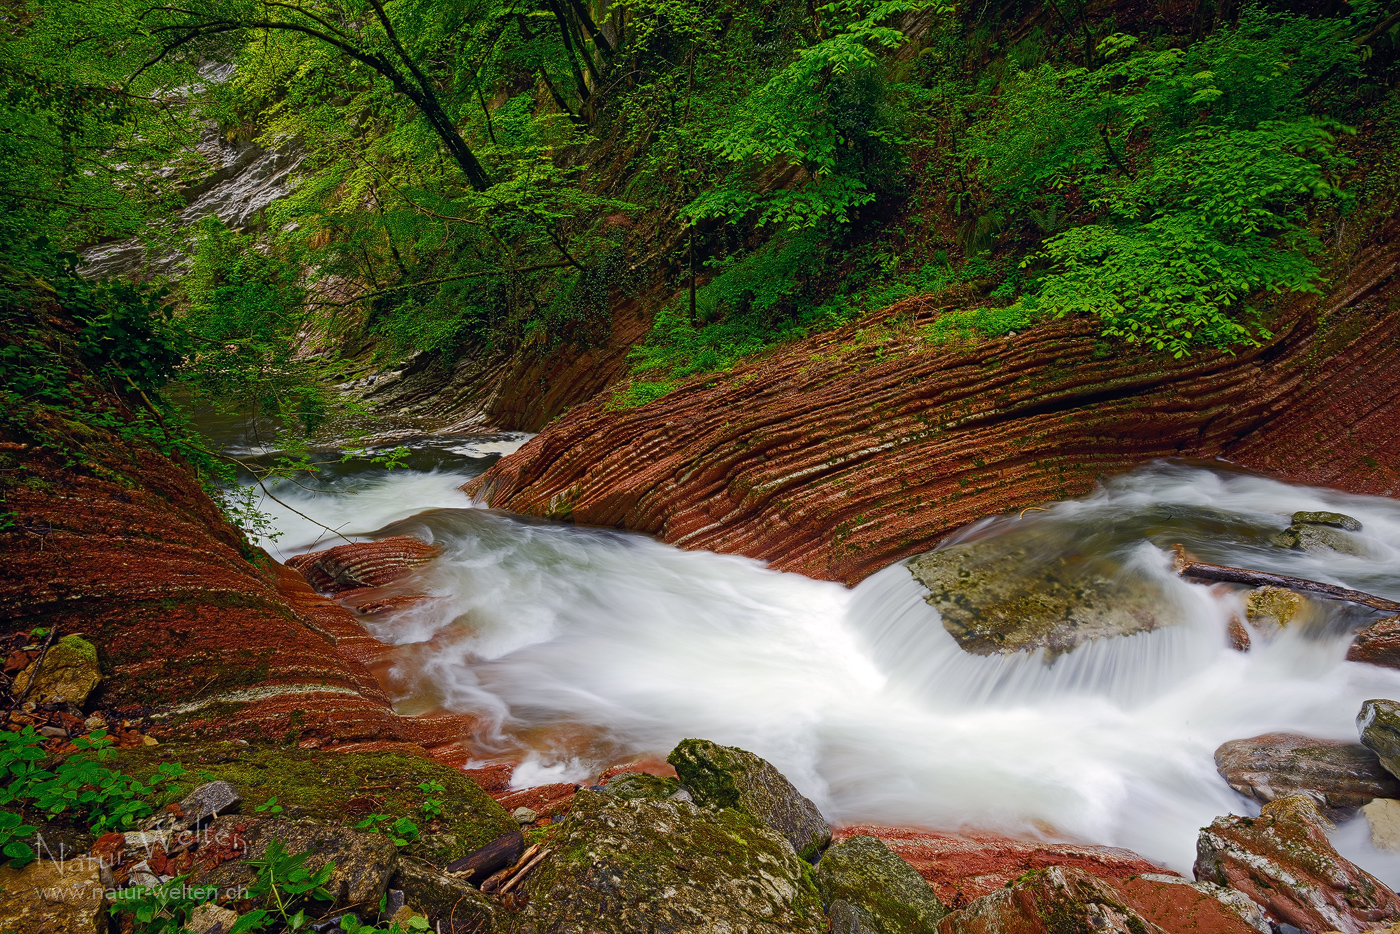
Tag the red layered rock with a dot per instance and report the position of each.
(964, 867)
(1377, 644)
(840, 454)
(1284, 862)
(1048, 902)
(1338, 774)
(359, 565)
(192, 626)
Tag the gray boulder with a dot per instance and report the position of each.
(1335, 519)
(631, 785)
(442, 898)
(864, 873)
(1339, 775)
(729, 777)
(618, 867)
(1379, 726)
(1319, 539)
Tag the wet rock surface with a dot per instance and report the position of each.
(963, 867)
(1284, 862)
(1377, 644)
(443, 899)
(1334, 519)
(363, 564)
(998, 599)
(1379, 726)
(1319, 539)
(1177, 904)
(1338, 774)
(892, 897)
(902, 441)
(663, 866)
(729, 777)
(1050, 901)
(1273, 608)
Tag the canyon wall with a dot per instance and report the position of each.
(842, 453)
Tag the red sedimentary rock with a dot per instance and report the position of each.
(963, 867)
(544, 800)
(1183, 908)
(1055, 900)
(1284, 862)
(1377, 644)
(214, 639)
(842, 453)
(357, 565)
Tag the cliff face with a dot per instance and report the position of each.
(193, 628)
(845, 452)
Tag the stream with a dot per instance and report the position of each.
(577, 648)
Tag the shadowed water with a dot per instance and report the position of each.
(577, 647)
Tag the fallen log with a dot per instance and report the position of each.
(1215, 572)
(480, 864)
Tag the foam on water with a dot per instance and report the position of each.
(576, 647)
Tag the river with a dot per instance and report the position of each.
(576, 648)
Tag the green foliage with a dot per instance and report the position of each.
(160, 909)
(1190, 177)
(401, 830)
(106, 799)
(13, 830)
(285, 884)
(432, 806)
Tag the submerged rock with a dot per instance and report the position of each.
(1051, 901)
(864, 873)
(66, 673)
(1337, 774)
(996, 597)
(1284, 862)
(619, 867)
(1273, 608)
(1377, 644)
(1336, 519)
(1319, 539)
(1379, 726)
(729, 777)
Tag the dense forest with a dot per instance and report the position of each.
(493, 179)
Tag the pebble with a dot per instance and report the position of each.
(524, 815)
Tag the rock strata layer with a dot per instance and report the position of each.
(963, 867)
(840, 454)
(1284, 862)
(363, 564)
(1377, 644)
(1338, 774)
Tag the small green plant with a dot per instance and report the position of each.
(160, 909)
(288, 887)
(106, 798)
(270, 806)
(12, 830)
(431, 806)
(402, 831)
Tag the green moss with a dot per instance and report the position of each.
(337, 787)
(864, 872)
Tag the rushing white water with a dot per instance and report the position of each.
(576, 647)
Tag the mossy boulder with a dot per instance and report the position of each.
(865, 873)
(442, 898)
(66, 673)
(632, 785)
(1001, 596)
(1379, 726)
(1319, 539)
(654, 867)
(729, 777)
(343, 788)
(1334, 519)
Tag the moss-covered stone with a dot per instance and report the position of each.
(628, 867)
(632, 785)
(1337, 519)
(441, 898)
(729, 777)
(1000, 597)
(865, 873)
(1379, 726)
(1057, 900)
(337, 787)
(1316, 539)
(67, 673)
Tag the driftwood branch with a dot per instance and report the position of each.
(1215, 572)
